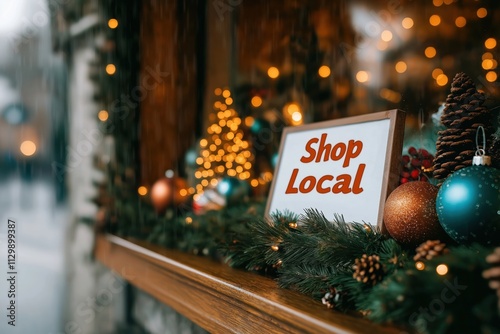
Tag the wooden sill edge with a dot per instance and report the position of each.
(220, 298)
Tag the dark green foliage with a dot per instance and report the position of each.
(458, 302)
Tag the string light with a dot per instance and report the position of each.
(490, 43)
(460, 21)
(112, 23)
(218, 91)
(362, 76)
(437, 3)
(324, 71)
(491, 76)
(103, 115)
(273, 72)
(481, 13)
(224, 152)
(189, 220)
(420, 265)
(110, 69)
(436, 72)
(275, 248)
(401, 67)
(487, 55)
(442, 79)
(442, 269)
(430, 52)
(435, 20)
(386, 36)
(487, 64)
(27, 148)
(142, 190)
(407, 23)
(256, 101)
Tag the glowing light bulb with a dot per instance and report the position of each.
(142, 190)
(490, 43)
(430, 52)
(273, 72)
(386, 35)
(401, 67)
(482, 12)
(324, 71)
(362, 76)
(442, 269)
(28, 148)
(442, 79)
(110, 69)
(436, 72)
(103, 115)
(435, 20)
(112, 23)
(407, 23)
(491, 76)
(460, 21)
(256, 101)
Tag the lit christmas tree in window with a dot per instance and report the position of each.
(223, 152)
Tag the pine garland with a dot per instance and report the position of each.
(315, 256)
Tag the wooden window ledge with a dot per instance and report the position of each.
(219, 298)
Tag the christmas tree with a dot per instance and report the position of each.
(223, 152)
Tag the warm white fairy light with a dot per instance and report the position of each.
(224, 152)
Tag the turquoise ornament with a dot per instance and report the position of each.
(235, 191)
(468, 205)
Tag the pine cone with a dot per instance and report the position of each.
(368, 269)
(463, 114)
(331, 298)
(430, 249)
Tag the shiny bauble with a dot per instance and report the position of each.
(234, 190)
(168, 192)
(468, 205)
(410, 214)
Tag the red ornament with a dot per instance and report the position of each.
(410, 214)
(167, 192)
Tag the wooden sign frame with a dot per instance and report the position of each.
(392, 161)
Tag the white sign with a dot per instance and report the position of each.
(346, 166)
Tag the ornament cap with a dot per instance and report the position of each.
(481, 160)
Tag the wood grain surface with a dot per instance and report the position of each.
(219, 298)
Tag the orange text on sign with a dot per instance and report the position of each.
(319, 151)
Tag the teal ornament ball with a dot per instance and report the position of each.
(468, 205)
(235, 191)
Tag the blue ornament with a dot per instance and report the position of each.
(468, 205)
(234, 190)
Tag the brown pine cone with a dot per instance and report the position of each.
(331, 298)
(430, 249)
(368, 269)
(463, 114)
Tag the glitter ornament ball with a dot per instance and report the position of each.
(166, 192)
(468, 205)
(410, 214)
